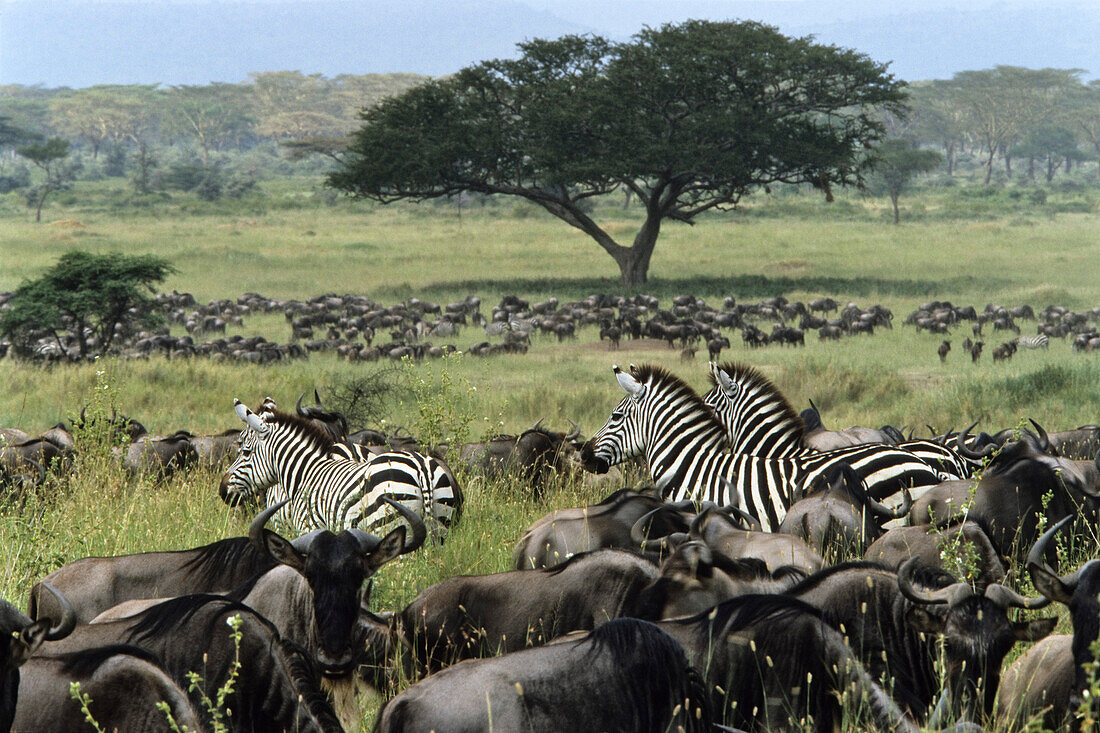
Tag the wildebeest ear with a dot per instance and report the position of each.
(1033, 630)
(391, 546)
(283, 551)
(923, 620)
(1049, 584)
(28, 640)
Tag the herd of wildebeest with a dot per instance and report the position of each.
(360, 329)
(638, 613)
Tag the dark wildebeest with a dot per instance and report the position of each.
(625, 676)
(771, 663)
(816, 436)
(1050, 678)
(892, 621)
(742, 537)
(556, 537)
(694, 578)
(1020, 484)
(280, 689)
(157, 456)
(943, 350)
(478, 615)
(936, 546)
(20, 637)
(841, 516)
(125, 685)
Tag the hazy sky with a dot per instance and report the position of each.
(84, 42)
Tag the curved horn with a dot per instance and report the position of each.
(738, 516)
(1044, 439)
(302, 544)
(68, 615)
(538, 424)
(416, 523)
(814, 407)
(298, 406)
(256, 529)
(317, 399)
(966, 452)
(1043, 576)
(662, 544)
(884, 511)
(40, 469)
(576, 431)
(951, 594)
(1005, 597)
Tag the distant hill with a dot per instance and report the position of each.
(84, 42)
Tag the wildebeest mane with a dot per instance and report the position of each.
(85, 662)
(751, 376)
(168, 616)
(661, 677)
(822, 575)
(210, 559)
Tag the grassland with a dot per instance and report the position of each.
(288, 243)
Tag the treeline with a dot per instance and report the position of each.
(1005, 123)
(1048, 119)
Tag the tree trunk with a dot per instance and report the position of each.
(633, 261)
(989, 165)
(894, 201)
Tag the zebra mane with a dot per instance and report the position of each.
(667, 380)
(312, 432)
(751, 377)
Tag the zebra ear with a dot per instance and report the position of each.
(240, 408)
(631, 385)
(250, 418)
(728, 386)
(268, 405)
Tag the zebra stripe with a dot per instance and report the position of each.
(1041, 341)
(329, 484)
(687, 450)
(760, 421)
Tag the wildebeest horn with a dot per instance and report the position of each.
(67, 622)
(965, 451)
(736, 515)
(576, 430)
(1043, 575)
(1044, 439)
(951, 594)
(884, 511)
(1005, 597)
(663, 544)
(303, 543)
(416, 523)
(298, 406)
(256, 529)
(537, 424)
(317, 399)
(814, 407)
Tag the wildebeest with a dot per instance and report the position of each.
(771, 663)
(1019, 484)
(159, 456)
(123, 684)
(561, 534)
(625, 676)
(20, 637)
(892, 619)
(943, 350)
(730, 537)
(942, 547)
(840, 516)
(1050, 677)
(192, 633)
(476, 615)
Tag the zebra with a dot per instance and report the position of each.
(761, 422)
(1041, 341)
(687, 449)
(329, 483)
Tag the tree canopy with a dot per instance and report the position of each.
(688, 118)
(895, 163)
(91, 296)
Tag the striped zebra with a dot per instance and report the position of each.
(329, 484)
(760, 421)
(685, 445)
(1041, 341)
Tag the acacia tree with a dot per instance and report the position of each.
(48, 156)
(688, 118)
(91, 296)
(895, 163)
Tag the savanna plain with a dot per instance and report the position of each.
(290, 241)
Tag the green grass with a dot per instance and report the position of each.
(288, 244)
